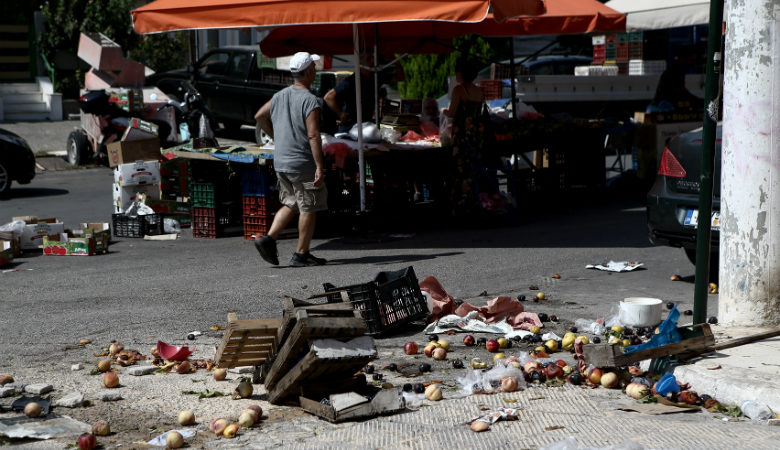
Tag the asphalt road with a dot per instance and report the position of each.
(144, 290)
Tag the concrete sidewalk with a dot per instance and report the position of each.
(738, 374)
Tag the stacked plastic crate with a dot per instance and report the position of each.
(175, 191)
(259, 202)
(599, 49)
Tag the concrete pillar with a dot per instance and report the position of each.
(750, 180)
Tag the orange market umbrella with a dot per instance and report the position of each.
(560, 17)
(170, 15)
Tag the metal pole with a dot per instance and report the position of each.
(376, 74)
(512, 75)
(711, 100)
(359, 107)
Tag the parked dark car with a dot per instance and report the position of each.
(673, 201)
(17, 161)
(233, 81)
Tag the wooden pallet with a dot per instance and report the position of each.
(248, 342)
(311, 323)
(611, 355)
(323, 368)
(292, 305)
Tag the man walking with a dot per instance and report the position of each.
(292, 119)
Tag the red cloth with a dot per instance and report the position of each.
(496, 310)
(339, 150)
(443, 304)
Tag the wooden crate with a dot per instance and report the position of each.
(311, 322)
(323, 364)
(351, 405)
(611, 355)
(248, 342)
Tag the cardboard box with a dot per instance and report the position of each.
(6, 253)
(87, 240)
(124, 196)
(124, 152)
(139, 129)
(137, 173)
(36, 229)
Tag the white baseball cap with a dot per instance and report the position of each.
(301, 61)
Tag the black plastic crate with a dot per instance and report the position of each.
(391, 300)
(137, 226)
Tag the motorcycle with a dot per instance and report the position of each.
(103, 122)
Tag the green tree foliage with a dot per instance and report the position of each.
(66, 19)
(427, 75)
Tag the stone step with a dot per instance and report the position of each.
(18, 88)
(34, 107)
(17, 98)
(26, 116)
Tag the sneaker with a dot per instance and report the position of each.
(266, 245)
(306, 259)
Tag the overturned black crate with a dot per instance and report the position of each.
(137, 226)
(391, 300)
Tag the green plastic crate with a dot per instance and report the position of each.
(203, 195)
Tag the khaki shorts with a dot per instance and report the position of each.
(297, 192)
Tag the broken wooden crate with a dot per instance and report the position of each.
(611, 355)
(311, 350)
(352, 405)
(248, 342)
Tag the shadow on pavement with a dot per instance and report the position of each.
(17, 192)
(389, 259)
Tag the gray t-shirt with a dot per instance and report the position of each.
(289, 109)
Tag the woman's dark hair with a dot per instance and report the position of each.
(467, 68)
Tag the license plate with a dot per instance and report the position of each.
(692, 219)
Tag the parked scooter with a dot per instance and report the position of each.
(194, 119)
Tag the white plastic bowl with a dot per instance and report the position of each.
(640, 311)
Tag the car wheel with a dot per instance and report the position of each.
(261, 137)
(714, 262)
(5, 179)
(78, 148)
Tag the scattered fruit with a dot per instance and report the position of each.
(433, 392)
(183, 367)
(551, 345)
(377, 377)
(609, 380)
(230, 431)
(407, 387)
(596, 340)
(669, 305)
(433, 337)
(5, 379)
(556, 276)
(457, 363)
(689, 397)
(186, 417)
(540, 295)
(220, 374)
(492, 345)
(553, 318)
(253, 413)
(688, 312)
(533, 287)
(531, 366)
(478, 426)
(568, 341)
(410, 348)
(614, 340)
(103, 365)
(392, 367)
(444, 344)
(509, 384)
(595, 376)
(502, 342)
(369, 369)
(713, 320)
(535, 329)
(553, 371)
(498, 356)
(258, 410)
(418, 388)
(481, 341)
(713, 288)
(428, 350)
(521, 298)
(626, 342)
(617, 329)
(586, 341)
(575, 378)
(425, 367)
(468, 340)
(174, 439)
(440, 354)
(675, 277)
(190, 337)
(543, 317)
(246, 420)
(110, 380)
(32, 409)
(243, 390)
(637, 390)
(101, 428)
(87, 441)
(476, 364)
(219, 426)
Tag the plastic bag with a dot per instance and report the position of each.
(481, 382)
(171, 226)
(390, 135)
(585, 325)
(445, 130)
(370, 132)
(15, 228)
